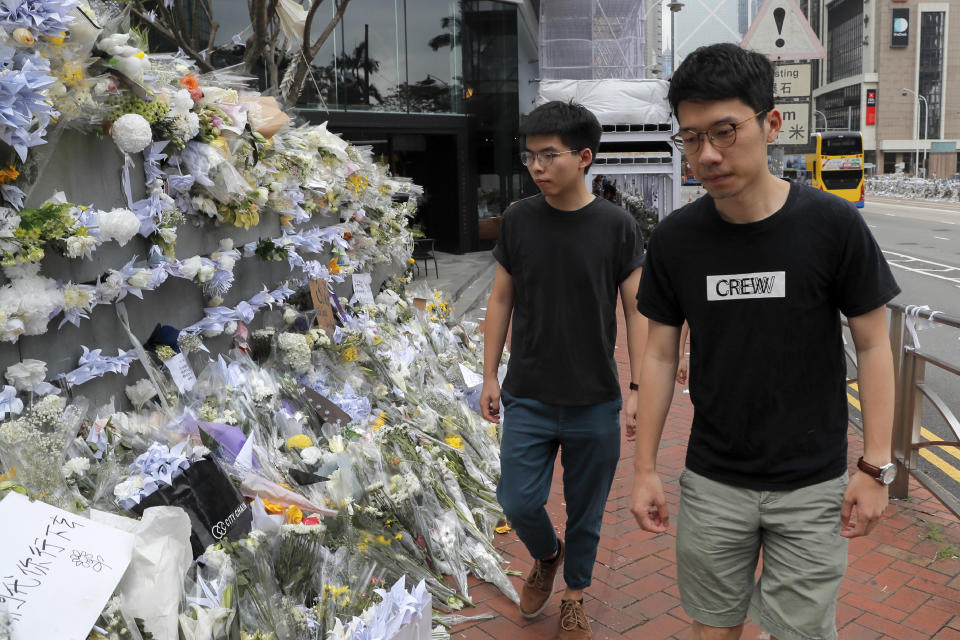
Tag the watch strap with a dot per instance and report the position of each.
(634, 386)
(868, 468)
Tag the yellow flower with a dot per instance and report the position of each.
(383, 540)
(333, 266)
(349, 355)
(399, 536)
(9, 475)
(285, 221)
(380, 421)
(8, 174)
(294, 515)
(454, 441)
(139, 55)
(273, 507)
(299, 441)
(411, 261)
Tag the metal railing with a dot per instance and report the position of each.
(911, 393)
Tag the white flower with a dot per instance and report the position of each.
(296, 351)
(26, 375)
(140, 392)
(261, 195)
(311, 455)
(77, 297)
(75, 467)
(140, 278)
(118, 224)
(336, 444)
(78, 246)
(230, 328)
(190, 267)
(180, 103)
(205, 205)
(110, 288)
(128, 488)
(275, 186)
(289, 315)
(206, 272)
(168, 234)
(131, 132)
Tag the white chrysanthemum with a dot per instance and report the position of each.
(311, 455)
(296, 351)
(289, 315)
(140, 392)
(128, 488)
(75, 467)
(205, 205)
(26, 375)
(118, 224)
(180, 103)
(80, 246)
(131, 132)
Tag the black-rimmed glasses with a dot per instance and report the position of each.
(721, 135)
(544, 157)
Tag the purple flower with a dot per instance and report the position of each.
(46, 17)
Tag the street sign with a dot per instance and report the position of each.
(796, 123)
(781, 32)
(792, 81)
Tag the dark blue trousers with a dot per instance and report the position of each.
(589, 442)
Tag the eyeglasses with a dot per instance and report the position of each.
(544, 157)
(721, 135)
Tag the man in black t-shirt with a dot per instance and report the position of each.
(563, 257)
(761, 269)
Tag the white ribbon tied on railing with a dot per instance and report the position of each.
(915, 322)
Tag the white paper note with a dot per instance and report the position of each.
(181, 372)
(361, 288)
(57, 569)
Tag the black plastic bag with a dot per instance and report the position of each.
(215, 507)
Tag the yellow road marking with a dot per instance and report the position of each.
(925, 453)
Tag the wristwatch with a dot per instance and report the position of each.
(634, 386)
(884, 475)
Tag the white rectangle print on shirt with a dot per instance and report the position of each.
(747, 286)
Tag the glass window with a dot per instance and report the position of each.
(433, 67)
(931, 71)
(844, 40)
(842, 108)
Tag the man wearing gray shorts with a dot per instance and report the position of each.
(761, 270)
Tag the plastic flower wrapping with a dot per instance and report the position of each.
(295, 485)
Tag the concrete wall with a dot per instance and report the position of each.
(88, 171)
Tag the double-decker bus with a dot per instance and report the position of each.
(836, 166)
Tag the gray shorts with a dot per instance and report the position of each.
(721, 531)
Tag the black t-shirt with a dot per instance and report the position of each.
(763, 301)
(566, 268)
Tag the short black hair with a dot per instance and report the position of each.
(576, 125)
(721, 71)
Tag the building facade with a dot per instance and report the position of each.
(886, 75)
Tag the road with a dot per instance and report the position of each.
(921, 241)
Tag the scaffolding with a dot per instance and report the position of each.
(593, 39)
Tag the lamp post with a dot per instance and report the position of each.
(824, 116)
(674, 8)
(904, 91)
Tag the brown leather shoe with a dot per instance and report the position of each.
(573, 621)
(538, 585)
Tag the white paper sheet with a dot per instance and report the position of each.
(57, 569)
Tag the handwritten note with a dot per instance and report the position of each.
(320, 293)
(181, 372)
(54, 561)
(361, 288)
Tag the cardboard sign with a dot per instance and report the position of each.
(420, 303)
(57, 569)
(320, 294)
(181, 372)
(327, 410)
(361, 288)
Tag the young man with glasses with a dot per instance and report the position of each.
(761, 269)
(563, 257)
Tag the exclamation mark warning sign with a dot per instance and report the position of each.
(778, 15)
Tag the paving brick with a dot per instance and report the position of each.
(661, 627)
(855, 631)
(947, 634)
(907, 599)
(929, 620)
(890, 628)
(877, 608)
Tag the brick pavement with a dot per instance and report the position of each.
(895, 587)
